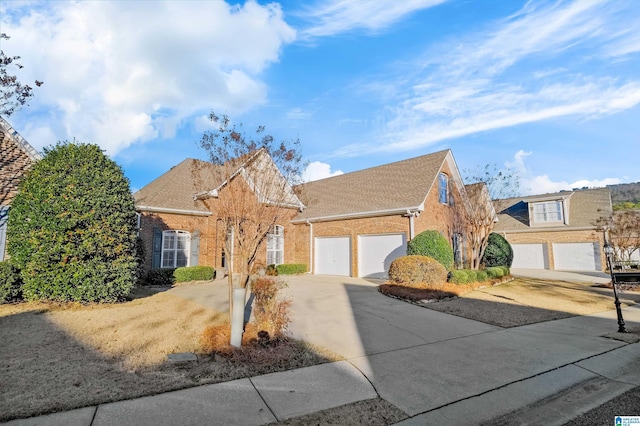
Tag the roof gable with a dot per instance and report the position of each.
(389, 188)
(15, 137)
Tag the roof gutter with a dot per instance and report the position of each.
(403, 211)
(174, 211)
(543, 229)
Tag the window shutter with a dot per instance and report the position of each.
(157, 248)
(195, 248)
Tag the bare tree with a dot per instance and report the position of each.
(14, 94)
(255, 178)
(623, 229)
(486, 193)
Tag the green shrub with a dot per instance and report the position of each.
(482, 276)
(291, 268)
(10, 282)
(458, 276)
(505, 270)
(434, 245)
(272, 270)
(418, 271)
(162, 277)
(194, 273)
(498, 252)
(472, 275)
(72, 227)
(494, 272)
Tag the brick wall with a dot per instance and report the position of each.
(14, 162)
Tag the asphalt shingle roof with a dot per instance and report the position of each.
(175, 189)
(404, 184)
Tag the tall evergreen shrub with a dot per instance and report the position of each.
(498, 252)
(72, 227)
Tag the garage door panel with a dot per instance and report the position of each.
(530, 256)
(577, 256)
(376, 252)
(333, 256)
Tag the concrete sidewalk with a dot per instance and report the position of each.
(435, 367)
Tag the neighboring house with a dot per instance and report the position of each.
(354, 224)
(16, 159)
(555, 231)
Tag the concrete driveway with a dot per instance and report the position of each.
(423, 361)
(441, 368)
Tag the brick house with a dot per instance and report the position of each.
(556, 231)
(354, 224)
(17, 158)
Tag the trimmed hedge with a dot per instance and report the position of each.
(291, 268)
(418, 271)
(495, 272)
(162, 277)
(498, 252)
(194, 273)
(458, 276)
(482, 276)
(10, 282)
(434, 245)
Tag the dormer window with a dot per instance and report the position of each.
(548, 212)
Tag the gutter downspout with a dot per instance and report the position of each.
(310, 246)
(411, 215)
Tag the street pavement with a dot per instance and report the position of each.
(437, 368)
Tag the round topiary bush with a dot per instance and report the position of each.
(498, 252)
(482, 276)
(72, 227)
(418, 271)
(434, 245)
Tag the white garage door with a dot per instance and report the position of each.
(529, 256)
(376, 252)
(576, 256)
(333, 256)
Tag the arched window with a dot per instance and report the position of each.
(275, 246)
(443, 188)
(176, 247)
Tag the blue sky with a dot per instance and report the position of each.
(550, 88)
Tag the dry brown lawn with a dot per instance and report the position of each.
(527, 301)
(57, 357)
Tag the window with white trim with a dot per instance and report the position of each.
(443, 188)
(548, 212)
(176, 246)
(275, 246)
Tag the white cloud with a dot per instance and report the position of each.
(531, 184)
(523, 70)
(341, 16)
(117, 73)
(318, 170)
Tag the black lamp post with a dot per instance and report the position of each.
(608, 251)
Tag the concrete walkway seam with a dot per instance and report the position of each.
(264, 400)
(95, 412)
(523, 380)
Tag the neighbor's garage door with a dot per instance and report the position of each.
(529, 256)
(376, 252)
(333, 256)
(576, 256)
